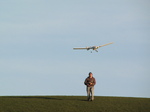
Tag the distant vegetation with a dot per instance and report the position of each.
(73, 104)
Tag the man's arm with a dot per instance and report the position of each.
(85, 82)
(94, 82)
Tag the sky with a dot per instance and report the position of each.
(37, 38)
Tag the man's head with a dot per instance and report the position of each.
(90, 75)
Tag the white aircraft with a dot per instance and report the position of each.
(92, 47)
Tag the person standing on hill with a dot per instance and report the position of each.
(90, 83)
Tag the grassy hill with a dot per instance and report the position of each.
(73, 104)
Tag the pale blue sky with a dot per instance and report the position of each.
(37, 39)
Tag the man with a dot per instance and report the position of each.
(90, 82)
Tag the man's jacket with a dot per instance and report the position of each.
(89, 82)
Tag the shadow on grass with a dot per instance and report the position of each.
(34, 97)
(46, 97)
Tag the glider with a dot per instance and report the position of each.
(92, 47)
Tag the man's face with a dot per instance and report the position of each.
(90, 75)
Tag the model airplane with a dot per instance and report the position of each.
(92, 47)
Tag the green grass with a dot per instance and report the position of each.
(73, 104)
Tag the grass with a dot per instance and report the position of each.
(73, 104)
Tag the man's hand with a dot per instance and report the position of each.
(91, 83)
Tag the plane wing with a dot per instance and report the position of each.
(80, 48)
(105, 44)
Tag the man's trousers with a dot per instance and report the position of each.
(90, 93)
